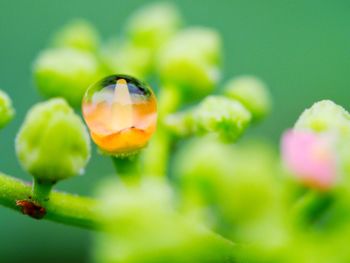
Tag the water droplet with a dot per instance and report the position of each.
(121, 113)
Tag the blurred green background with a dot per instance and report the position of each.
(301, 48)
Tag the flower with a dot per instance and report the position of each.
(310, 157)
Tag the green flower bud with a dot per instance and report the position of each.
(252, 93)
(190, 60)
(65, 73)
(78, 34)
(325, 116)
(226, 117)
(243, 173)
(127, 58)
(234, 186)
(53, 143)
(6, 110)
(142, 225)
(153, 25)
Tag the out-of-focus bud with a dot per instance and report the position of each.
(130, 199)
(311, 158)
(252, 93)
(142, 225)
(240, 180)
(191, 61)
(243, 174)
(215, 114)
(53, 143)
(128, 58)
(325, 116)
(331, 120)
(6, 110)
(78, 34)
(65, 73)
(153, 25)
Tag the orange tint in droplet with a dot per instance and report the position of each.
(121, 113)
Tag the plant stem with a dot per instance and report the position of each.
(310, 207)
(41, 191)
(127, 166)
(63, 208)
(156, 156)
(82, 212)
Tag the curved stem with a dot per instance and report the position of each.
(63, 208)
(82, 212)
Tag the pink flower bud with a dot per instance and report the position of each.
(310, 157)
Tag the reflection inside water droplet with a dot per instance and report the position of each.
(121, 113)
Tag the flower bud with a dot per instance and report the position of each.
(53, 143)
(65, 73)
(153, 25)
(309, 151)
(252, 93)
(142, 224)
(78, 34)
(311, 158)
(190, 61)
(245, 172)
(226, 117)
(325, 116)
(128, 58)
(6, 110)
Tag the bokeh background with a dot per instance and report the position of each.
(300, 48)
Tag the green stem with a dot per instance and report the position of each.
(156, 155)
(82, 212)
(310, 207)
(63, 208)
(127, 166)
(41, 191)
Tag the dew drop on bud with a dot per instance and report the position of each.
(121, 113)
